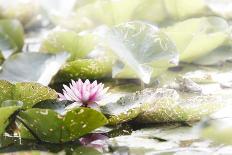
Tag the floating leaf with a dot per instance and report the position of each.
(216, 57)
(32, 67)
(11, 37)
(28, 93)
(64, 40)
(59, 129)
(197, 37)
(85, 69)
(182, 109)
(6, 112)
(130, 106)
(161, 105)
(141, 47)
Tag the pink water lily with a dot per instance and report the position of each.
(85, 93)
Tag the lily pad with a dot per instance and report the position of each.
(65, 40)
(184, 109)
(85, 69)
(58, 128)
(161, 106)
(32, 67)
(130, 106)
(11, 37)
(6, 112)
(208, 33)
(28, 93)
(140, 48)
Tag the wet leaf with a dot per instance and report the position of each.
(28, 93)
(59, 129)
(32, 67)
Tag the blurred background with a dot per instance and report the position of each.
(129, 45)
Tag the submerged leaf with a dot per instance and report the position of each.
(32, 67)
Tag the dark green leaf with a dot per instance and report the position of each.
(49, 126)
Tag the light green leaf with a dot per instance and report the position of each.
(65, 40)
(141, 48)
(11, 37)
(197, 37)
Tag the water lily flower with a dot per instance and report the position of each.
(85, 93)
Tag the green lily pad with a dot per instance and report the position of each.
(11, 37)
(65, 40)
(59, 129)
(161, 105)
(32, 67)
(130, 106)
(197, 37)
(184, 109)
(6, 112)
(28, 93)
(85, 69)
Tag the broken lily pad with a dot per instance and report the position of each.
(58, 128)
(28, 93)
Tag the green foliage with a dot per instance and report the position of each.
(6, 113)
(64, 40)
(28, 93)
(51, 127)
(11, 37)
